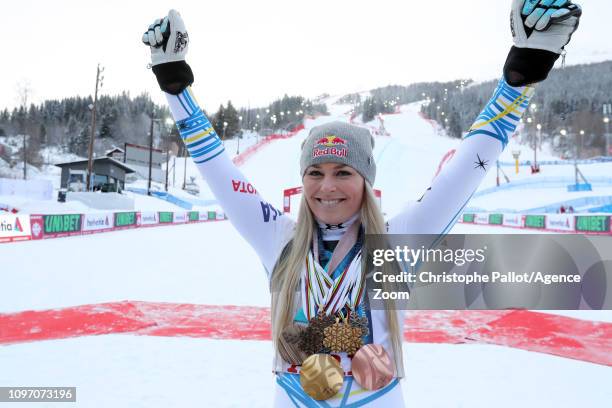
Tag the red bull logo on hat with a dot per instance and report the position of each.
(330, 145)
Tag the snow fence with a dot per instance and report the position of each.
(15, 227)
(592, 224)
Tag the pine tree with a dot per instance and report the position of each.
(218, 122)
(231, 118)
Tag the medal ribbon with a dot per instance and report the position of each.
(320, 291)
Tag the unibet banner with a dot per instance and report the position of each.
(468, 217)
(97, 221)
(14, 228)
(125, 219)
(148, 218)
(496, 219)
(212, 215)
(535, 221)
(61, 224)
(165, 217)
(194, 216)
(593, 223)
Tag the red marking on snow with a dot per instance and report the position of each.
(251, 150)
(532, 331)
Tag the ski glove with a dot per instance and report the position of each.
(540, 30)
(169, 41)
(544, 24)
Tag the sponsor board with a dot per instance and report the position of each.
(149, 218)
(165, 217)
(125, 220)
(203, 216)
(194, 216)
(481, 219)
(593, 223)
(55, 225)
(496, 219)
(512, 220)
(220, 215)
(97, 222)
(179, 217)
(560, 222)
(535, 221)
(468, 218)
(212, 215)
(14, 228)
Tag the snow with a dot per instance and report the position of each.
(211, 264)
(131, 371)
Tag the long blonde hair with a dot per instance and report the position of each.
(287, 272)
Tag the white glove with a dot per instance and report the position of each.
(544, 24)
(168, 39)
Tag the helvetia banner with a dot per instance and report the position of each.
(149, 218)
(179, 217)
(14, 228)
(560, 222)
(512, 220)
(97, 222)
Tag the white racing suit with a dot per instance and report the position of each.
(268, 231)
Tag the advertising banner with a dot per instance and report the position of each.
(535, 221)
(179, 217)
(149, 218)
(194, 216)
(124, 220)
(496, 219)
(468, 218)
(220, 215)
(165, 217)
(97, 222)
(14, 228)
(560, 222)
(55, 225)
(512, 220)
(481, 219)
(203, 216)
(593, 223)
(212, 215)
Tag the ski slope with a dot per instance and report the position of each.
(210, 264)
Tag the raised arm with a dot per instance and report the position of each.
(258, 222)
(541, 29)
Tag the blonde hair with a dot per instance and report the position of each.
(287, 272)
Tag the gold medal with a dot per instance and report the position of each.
(321, 376)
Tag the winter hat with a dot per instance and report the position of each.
(339, 142)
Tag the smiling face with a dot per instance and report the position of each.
(333, 191)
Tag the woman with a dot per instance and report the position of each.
(331, 348)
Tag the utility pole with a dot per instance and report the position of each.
(167, 166)
(23, 90)
(185, 168)
(150, 155)
(99, 79)
(607, 111)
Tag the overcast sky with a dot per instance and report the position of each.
(255, 51)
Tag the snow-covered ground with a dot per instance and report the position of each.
(211, 264)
